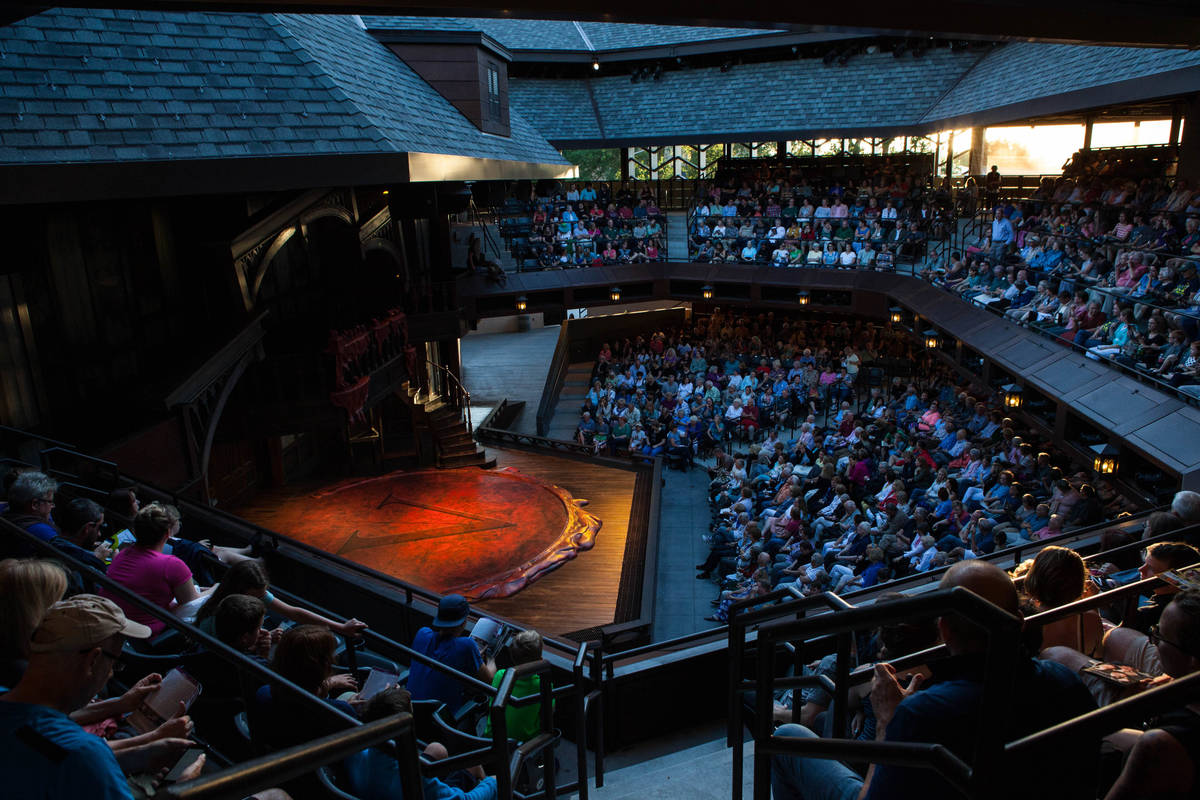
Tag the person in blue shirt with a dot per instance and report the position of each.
(947, 712)
(445, 641)
(1002, 235)
(30, 501)
(46, 755)
(374, 773)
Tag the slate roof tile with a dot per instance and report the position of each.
(794, 95)
(1023, 71)
(563, 35)
(151, 85)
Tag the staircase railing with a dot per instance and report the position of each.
(444, 383)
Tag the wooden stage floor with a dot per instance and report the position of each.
(469, 527)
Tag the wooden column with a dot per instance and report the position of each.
(978, 165)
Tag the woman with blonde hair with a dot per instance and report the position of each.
(29, 587)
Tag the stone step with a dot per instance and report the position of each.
(698, 773)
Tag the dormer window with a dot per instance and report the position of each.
(466, 67)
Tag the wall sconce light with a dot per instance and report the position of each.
(1011, 395)
(896, 315)
(706, 292)
(614, 294)
(802, 298)
(1106, 461)
(932, 339)
(522, 303)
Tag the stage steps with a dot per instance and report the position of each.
(677, 236)
(566, 412)
(455, 443)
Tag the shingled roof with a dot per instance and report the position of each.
(97, 86)
(870, 95)
(565, 35)
(1017, 74)
(748, 102)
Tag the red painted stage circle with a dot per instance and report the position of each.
(483, 534)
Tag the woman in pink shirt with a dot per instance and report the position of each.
(145, 569)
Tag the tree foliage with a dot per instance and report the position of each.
(596, 165)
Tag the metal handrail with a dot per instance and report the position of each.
(188, 630)
(271, 770)
(1002, 629)
(1128, 712)
(577, 689)
(461, 396)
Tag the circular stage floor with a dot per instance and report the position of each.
(483, 534)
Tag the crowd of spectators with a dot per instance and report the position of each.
(1108, 265)
(581, 225)
(1061, 669)
(69, 717)
(823, 220)
(842, 457)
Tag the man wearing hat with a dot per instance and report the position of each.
(72, 656)
(445, 641)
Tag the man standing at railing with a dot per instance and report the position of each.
(992, 186)
(1002, 235)
(947, 712)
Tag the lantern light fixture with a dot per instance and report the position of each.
(1011, 395)
(707, 292)
(933, 339)
(522, 303)
(614, 294)
(802, 297)
(1107, 459)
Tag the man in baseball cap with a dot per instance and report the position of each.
(445, 641)
(72, 656)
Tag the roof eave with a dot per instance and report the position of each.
(30, 183)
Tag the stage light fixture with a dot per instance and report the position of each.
(707, 292)
(802, 298)
(614, 294)
(522, 303)
(933, 339)
(1011, 395)
(1107, 459)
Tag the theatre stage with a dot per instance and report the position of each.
(512, 538)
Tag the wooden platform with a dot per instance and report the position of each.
(579, 594)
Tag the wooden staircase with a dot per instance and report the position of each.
(455, 443)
